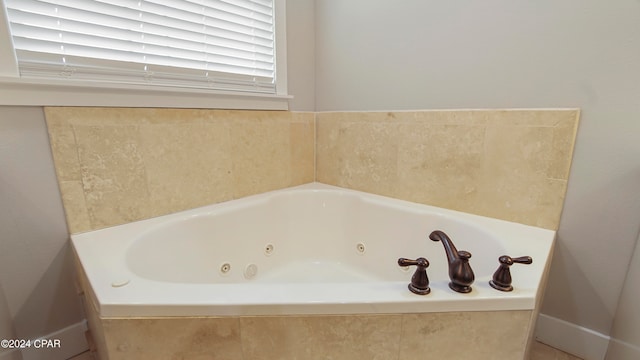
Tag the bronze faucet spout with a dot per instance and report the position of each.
(449, 247)
(460, 271)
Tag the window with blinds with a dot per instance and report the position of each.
(213, 44)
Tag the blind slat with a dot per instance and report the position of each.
(93, 37)
(169, 42)
(120, 51)
(48, 27)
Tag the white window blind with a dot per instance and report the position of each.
(216, 44)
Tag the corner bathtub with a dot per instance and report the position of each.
(308, 273)
(311, 249)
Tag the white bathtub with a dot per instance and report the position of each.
(311, 249)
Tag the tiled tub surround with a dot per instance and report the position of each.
(313, 288)
(120, 165)
(117, 165)
(507, 164)
(492, 335)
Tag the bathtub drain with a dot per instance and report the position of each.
(250, 271)
(360, 248)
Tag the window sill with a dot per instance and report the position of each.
(23, 92)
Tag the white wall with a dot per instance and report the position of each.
(625, 344)
(427, 54)
(35, 261)
(301, 54)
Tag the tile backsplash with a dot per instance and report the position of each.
(505, 164)
(117, 165)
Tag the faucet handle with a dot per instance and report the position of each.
(502, 277)
(523, 260)
(419, 281)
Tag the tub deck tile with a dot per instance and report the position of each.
(372, 337)
(487, 335)
(173, 338)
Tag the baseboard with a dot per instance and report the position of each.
(71, 339)
(621, 350)
(577, 340)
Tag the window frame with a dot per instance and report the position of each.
(17, 91)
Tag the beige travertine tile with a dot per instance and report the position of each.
(361, 155)
(187, 165)
(440, 164)
(527, 202)
(138, 163)
(508, 164)
(456, 335)
(531, 117)
(113, 173)
(166, 116)
(65, 151)
(173, 338)
(514, 181)
(327, 149)
(526, 126)
(95, 115)
(453, 117)
(75, 207)
(360, 116)
(321, 337)
(117, 165)
(516, 153)
(302, 132)
(465, 335)
(261, 154)
(562, 147)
